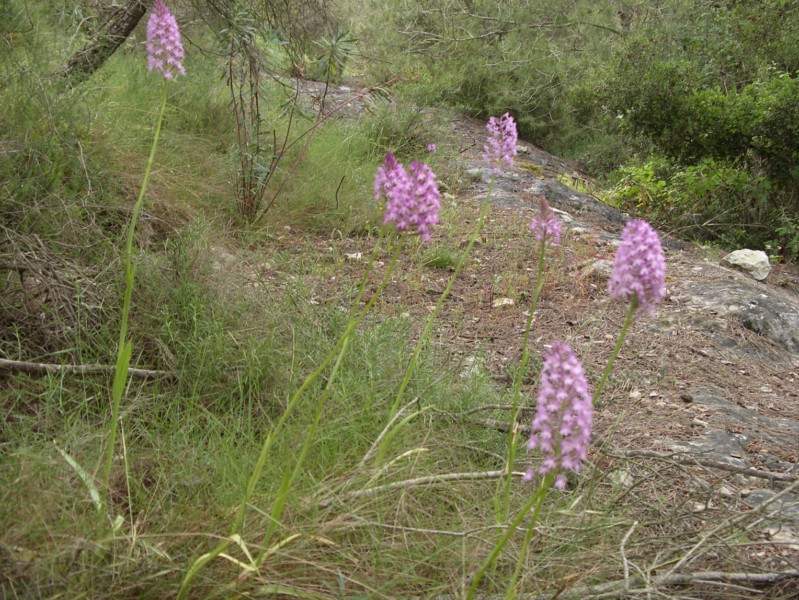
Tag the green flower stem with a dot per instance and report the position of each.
(429, 326)
(200, 563)
(622, 335)
(288, 479)
(123, 357)
(367, 272)
(517, 385)
(536, 500)
(528, 538)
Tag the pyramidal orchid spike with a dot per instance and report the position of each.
(545, 224)
(561, 429)
(639, 270)
(500, 148)
(412, 196)
(164, 49)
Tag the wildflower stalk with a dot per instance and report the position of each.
(125, 345)
(289, 477)
(429, 325)
(517, 386)
(617, 349)
(528, 538)
(535, 501)
(336, 352)
(639, 276)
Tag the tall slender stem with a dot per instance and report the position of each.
(124, 352)
(429, 325)
(517, 384)
(619, 342)
(528, 538)
(537, 498)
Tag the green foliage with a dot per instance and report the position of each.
(487, 58)
(710, 201)
(336, 50)
(400, 128)
(718, 95)
(440, 257)
(760, 122)
(787, 241)
(693, 81)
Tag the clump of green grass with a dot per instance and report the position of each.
(440, 257)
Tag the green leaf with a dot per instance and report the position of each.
(84, 476)
(121, 373)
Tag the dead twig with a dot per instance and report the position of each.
(685, 459)
(44, 368)
(726, 524)
(616, 588)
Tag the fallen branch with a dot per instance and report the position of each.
(428, 479)
(43, 368)
(679, 458)
(443, 532)
(615, 588)
(685, 459)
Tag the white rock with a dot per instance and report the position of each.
(601, 268)
(500, 302)
(753, 262)
(622, 478)
(471, 367)
(564, 216)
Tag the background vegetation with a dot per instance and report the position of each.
(686, 109)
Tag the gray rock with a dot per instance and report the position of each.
(717, 444)
(753, 262)
(601, 269)
(767, 311)
(781, 432)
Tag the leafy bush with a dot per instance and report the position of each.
(710, 201)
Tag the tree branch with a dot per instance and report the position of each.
(116, 30)
(43, 368)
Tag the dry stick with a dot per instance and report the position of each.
(321, 118)
(706, 462)
(486, 407)
(446, 477)
(613, 589)
(444, 532)
(683, 459)
(624, 555)
(43, 368)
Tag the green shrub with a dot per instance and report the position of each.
(710, 201)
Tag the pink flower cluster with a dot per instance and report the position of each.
(564, 416)
(640, 267)
(164, 49)
(412, 196)
(500, 148)
(545, 225)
